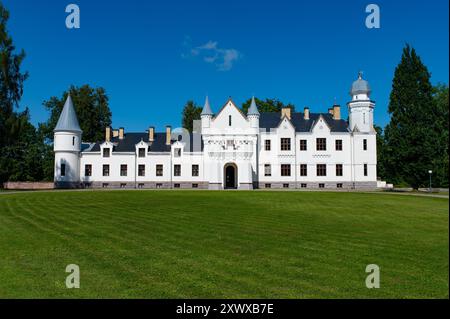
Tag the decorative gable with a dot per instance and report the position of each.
(230, 117)
(321, 126)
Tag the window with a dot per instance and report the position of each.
(267, 170)
(321, 144)
(123, 170)
(158, 185)
(177, 152)
(321, 170)
(141, 152)
(303, 170)
(268, 185)
(230, 143)
(73, 140)
(105, 185)
(88, 170)
(338, 145)
(159, 170)
(106, 152)
(105, 170)
(123, 185)
(267, 145)
(365, 170)
(177, 170)
(194, 185)
(365, 144)
(285, 169)
(285, 185)
(176, 185)
(321, 185)
(339, 170)
(141, 170)
(303, 145)
(195, 170)
(140, 185)
(303, 185)
(285, 144)
(229, 120)
(339, 185)
(63, 169)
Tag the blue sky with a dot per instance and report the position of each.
(153, 56)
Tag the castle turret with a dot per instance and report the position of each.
(206, 114)
(67, 147)
(360, 108)
(253, 114)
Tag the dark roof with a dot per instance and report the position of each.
(128, 143)
(273, 119)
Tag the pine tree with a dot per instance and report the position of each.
(411, 135)
(191, 112)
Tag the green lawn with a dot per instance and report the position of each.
(199, 244)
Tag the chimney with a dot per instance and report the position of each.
(115, 133)
(151, 134)
(306, 113)
(286, 111)
(168, 134)
(336, 112)
(121, 133)
(330, 110)
(108, 134)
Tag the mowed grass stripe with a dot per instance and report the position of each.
(241, 244)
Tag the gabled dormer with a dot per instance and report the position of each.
(178, 149)
(320, 126)
(142, 149)
(106, 149)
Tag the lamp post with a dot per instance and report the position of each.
(430, 172)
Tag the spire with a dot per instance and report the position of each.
(68, 119)
(253, 110)
(207, 109)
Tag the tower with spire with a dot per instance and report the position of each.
(253, 114)
(206, 114)
(360, 108)
(67, 147)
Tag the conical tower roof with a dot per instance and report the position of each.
(253, 109)
(206, 108)
(68, 120)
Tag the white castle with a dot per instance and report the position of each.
(228, 150)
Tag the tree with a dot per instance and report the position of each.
(191, 112)
(441, 115)
(268, 105)
(11, 83)
(91, 106)
(411, 136)
(381, 171)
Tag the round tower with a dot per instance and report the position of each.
(67, 148)
(253, 114)
(206, 114)
(360, 108)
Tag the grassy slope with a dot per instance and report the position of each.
(159, 244)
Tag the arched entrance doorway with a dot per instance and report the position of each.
(230, 174)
